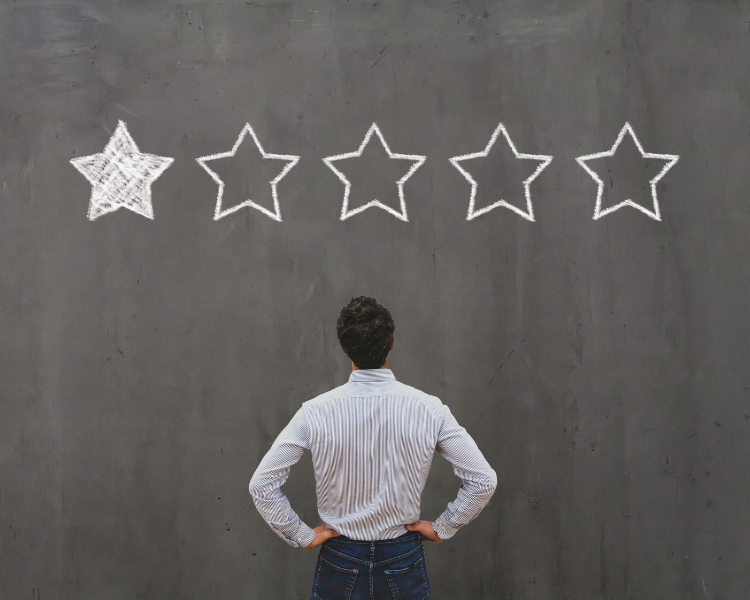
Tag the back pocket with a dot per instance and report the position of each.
(332, 582)
(409, 583)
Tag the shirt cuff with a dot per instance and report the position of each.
(305, 535)
(443, 530)
(302, 538)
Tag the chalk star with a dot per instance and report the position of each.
(290, 159)
(670, 158)
(543, 160)
(121, 176)
(417, 162)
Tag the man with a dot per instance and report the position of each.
(372, 442)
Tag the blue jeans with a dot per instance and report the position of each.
(382, 570)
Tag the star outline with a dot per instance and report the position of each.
(291, 159)
(671, 161)
(418, 162)
(544, 161)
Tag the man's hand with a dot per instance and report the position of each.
(322, 533)
(425, 528)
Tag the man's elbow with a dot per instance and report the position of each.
(256, 487)
(490, 484)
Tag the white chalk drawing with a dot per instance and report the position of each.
(290, 159)
(670, 158)
(121, 176)
(543, 159)
(418, 161)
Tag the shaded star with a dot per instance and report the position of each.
(121, 176)
(670, 158)
(417, 162)
(543, 160)
(290, 159)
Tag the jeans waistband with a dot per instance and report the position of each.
(411, 535)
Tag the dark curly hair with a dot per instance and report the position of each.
(365, 331)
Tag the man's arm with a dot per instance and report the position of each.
(479, 479)
(272, 473)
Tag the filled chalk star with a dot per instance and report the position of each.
(652, 211)
(415, 159)
(220, 211)
(527, 211)
(121, 175)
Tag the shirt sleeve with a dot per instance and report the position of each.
(479, 479)
(272, 473)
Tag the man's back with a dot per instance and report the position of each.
(372, 442)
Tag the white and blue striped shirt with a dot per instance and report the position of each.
(372, 441)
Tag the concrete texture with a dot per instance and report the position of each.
(602, 366)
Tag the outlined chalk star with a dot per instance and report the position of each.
(290, 159)
(670, 158)
(543, 160)
(417, 162)
(121, 176)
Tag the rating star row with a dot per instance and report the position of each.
(121, 176)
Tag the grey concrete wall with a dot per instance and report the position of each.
(601, 365)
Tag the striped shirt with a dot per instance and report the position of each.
(372, 441)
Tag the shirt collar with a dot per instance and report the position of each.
(372, 375)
